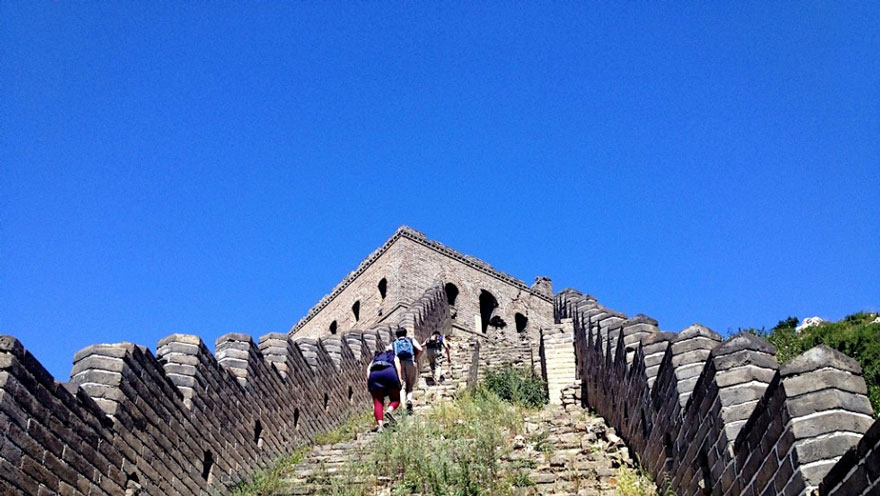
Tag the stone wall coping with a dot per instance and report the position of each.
(820, 357)
(129, 413)
(697, 329)
(743, 341)
(724, 415)
(640, 319)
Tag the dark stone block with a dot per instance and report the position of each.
(39, 473)
(824, 448)
(871, 440)
(16, 478)
(872, 464)
(855, 483)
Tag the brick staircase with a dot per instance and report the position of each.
(558, 354)
(316, 473)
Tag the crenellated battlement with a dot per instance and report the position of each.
(713, 416)
(186, 420)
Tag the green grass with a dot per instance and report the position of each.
(348, 430)
(541, 442)
(455, 449)
(518, 386)
(268, 481)
(854, 336)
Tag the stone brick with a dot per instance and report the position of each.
(824, 379)
(833, 421)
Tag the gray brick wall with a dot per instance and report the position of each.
(183, 421)
(721, 417)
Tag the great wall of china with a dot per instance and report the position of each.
(706, 415)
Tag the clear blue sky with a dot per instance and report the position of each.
(209, 168)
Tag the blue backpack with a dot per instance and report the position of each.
(382, 359)
(403, 348)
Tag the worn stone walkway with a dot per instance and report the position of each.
(314, 474)
(569, 453)
(562, 452)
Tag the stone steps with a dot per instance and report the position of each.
(561, 452)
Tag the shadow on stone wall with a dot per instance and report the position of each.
(183, 421)
(706, 416)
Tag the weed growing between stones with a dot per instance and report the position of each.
(455, 449)
(636, 482)
(541, 442)
(518, 386)
(269, 480)
(356, 424)
(477, 444)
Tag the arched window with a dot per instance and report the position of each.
(521, 322)
(383, 288)
(333, 327)
(451, 293)
(356, 310)
(488, 304)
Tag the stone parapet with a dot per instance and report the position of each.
(706, 416)
(185, 421)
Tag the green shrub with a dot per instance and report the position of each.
(856, 337)
(517, 386)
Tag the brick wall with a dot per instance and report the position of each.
(182, 421)
(707, 416)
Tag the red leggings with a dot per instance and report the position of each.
(379, 402)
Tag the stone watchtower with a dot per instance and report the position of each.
(391, 278)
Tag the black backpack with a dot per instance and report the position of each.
(436, 342)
